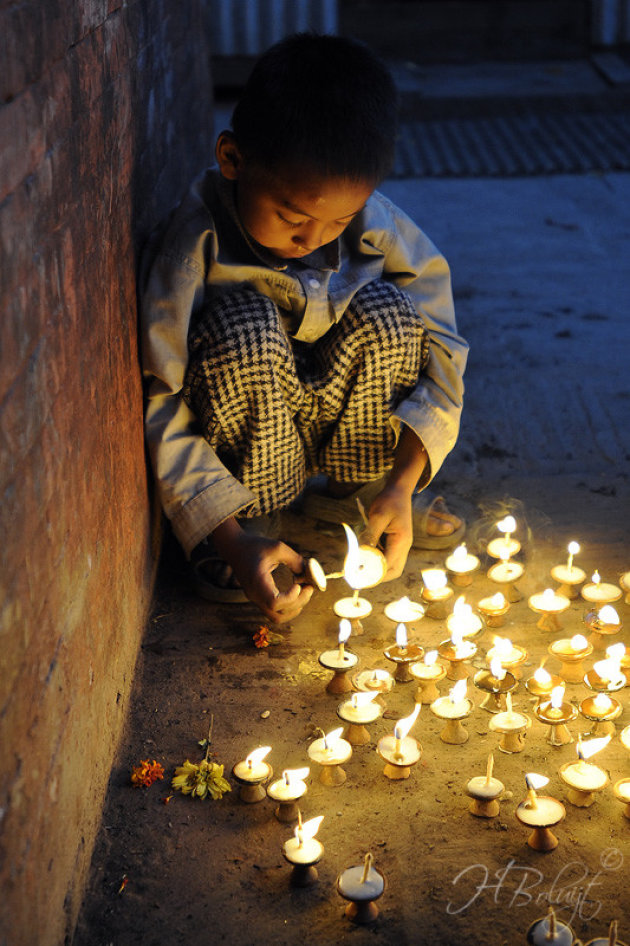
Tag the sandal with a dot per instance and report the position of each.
(424, 505)
(205, 577)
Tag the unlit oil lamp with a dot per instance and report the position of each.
(400, 751)
(377, 681)
(556, 713)
(402, 655)
(456, 652)
(605, 675)
(485, 792)
(600, 592)
(621, 790)
(512, 727)
(602, 623)
(610, 940)
(428, 673)
(494, 608)
(601, 710)
(404, 611)
(506, 546)
(506, 574)
(541, 683)
(287, 791)
(252, 774)
(464, 620)
(363, 567)
(330, 752)
(339, 661)
(541, 813)
(452, 709)
(436, 594)
(549, 931)
(571, 652)
(495, 683)
(584, 779)
(549, 604)
(461, 566)
(361, 885)
(358, 712)
(303, 851)
(512, 656)
(568, 576)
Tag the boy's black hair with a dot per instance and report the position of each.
(319, 102)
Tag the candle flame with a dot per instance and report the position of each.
(403, 726)
(345, 627)
(458, 692)
(457, 638)
(504, 555)
(542, 676)
(295, 775)
(401, 636)
(497, 669)
(579, 642)
(573, 548)
(535, 781)
(460, 554)
(434, 579)
(507, 525)
(609, 671)
(461, 609)
(381, 675)
(498, 600)
(587, 749)
(595, 577)
(332, 737)
(257, 755)
(503, 647)
(352, 563)
(608, 615)
(308, 829)
(548, 597)
(616, 652)
(430, 658)
(508, 702)
(557, 697)
(602, 702)
(362, 699)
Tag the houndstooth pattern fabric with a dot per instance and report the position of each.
(277, 410)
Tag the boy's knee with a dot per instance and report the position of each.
(384, 312)
(243, 322)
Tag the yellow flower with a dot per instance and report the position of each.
(200, 780)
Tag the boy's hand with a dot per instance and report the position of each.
(389, 516)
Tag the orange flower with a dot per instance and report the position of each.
(262, 637)
(145, 774)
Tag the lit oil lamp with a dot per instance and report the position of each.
(400, 751)
(361, 885)
(428, 672)
(556, 713)
(252, 774)
(599, 592)
(363, 567)
(287, 791)
(568, 576)
(303, 851)
(358, 712)
(549, 604)
(511, 655)
(541, 813)
(549, 931)
(404, 611)
(610, 940)
(506, 574)
(494, 608)
(584, 779)
(605, 675)
(602, 623)
(601, 710)
(621, 789)
(485, 792)
(506, 546)
(377, 681)
(452, 709)
(461, 566)
(330, 752)
(571, 652)
(339, 661)
(512, 727)
(464, 620)
(456, 652)
(436, 594)
(402, 655)
(624, 736)
(541, 683)
(624, 581)
(495, 683)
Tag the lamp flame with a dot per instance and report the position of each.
(595, 577)
(434, 579)
(361, 699)
(331, 738)
(401, 636)
(402, 727)
(542, 676)
(458, 692)
(507, 525)
(460, 554)
(535, 781)
(579, 642)
(308, 830)
(345, 627)
(498, 600)
(291, 776)
(573, 548)
(608, 615)
(616, 652)
(497, 669)
(503, 647)
(548, 597)
(587, 749)
(256, 756)
(430, 658)
(602, 702)
(352, 563)
(557, 697)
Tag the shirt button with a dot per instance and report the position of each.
(314, 283)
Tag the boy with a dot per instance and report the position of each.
(297, 323)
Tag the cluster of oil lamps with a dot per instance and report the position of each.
(364, 693)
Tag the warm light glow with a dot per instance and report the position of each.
(256, 756)
(587, 749)
(457, 638)
(595, 577)
(331, 738)
(497, 669)
(308, 830)
(542, 676)
(557, 697)
(401, 636)
(435, 579)
(291, 776)
(616, 652)
(573, 548)
(548, 597)
(345, 627)
(498, 600)
(403, 726)
(430, 658)
(609, 671)
(380, 676)
(459, 556)
(579, 642)
(535, 781)
(461, 610)
(458, 692)
(602, 703)
(608, 615)
(358, 700)
(503, 647)
(507, 525)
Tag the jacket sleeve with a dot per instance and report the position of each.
(197, 492)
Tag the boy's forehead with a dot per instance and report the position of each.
(310, 193)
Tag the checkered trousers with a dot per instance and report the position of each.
(276, 410)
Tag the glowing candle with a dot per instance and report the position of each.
(582, 777)
(600, 592)
(461, 564)
(463, 619)
(540, 813)
(303, 851)
(253, 768)
(400, 751)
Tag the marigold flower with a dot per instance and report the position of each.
(262, 637)
(200, 780)
(145, 774)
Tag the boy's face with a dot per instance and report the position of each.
(294, 213)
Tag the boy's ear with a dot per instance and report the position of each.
(228, 155)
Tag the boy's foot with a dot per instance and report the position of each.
(214, 580)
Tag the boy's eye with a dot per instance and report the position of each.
(290, 223)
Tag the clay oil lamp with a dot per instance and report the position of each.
(584, 779)
(600, 593)
(610, 940)
(571, 652)
(252, 774)
(363, 567)
(330, 752)
(511, 655)
(602, 623)
(556, 713)
(457, 652)
(400, 751)
(568, 576)
(541, 683)
(495, 683)
(358, 712)
(605, 675)
(402, 655)
(377, 681)
(621, 790)
(436, 594)
(404, 611)
(549, 931)
(624, 736)
(340, 661)
(512, 727)
(494, 608)
(361, 886)
(506, 574)
(428, 672)
(287, 791)
(485, 792)
(303, 851)
(541, 813)
(452, 709)
(549, 604)
(461, 566)
(505, 547)
(601, 710)
(624, 582)
(463, 620)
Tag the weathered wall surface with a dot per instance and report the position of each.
(105, 115)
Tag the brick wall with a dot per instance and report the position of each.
(97, 102)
